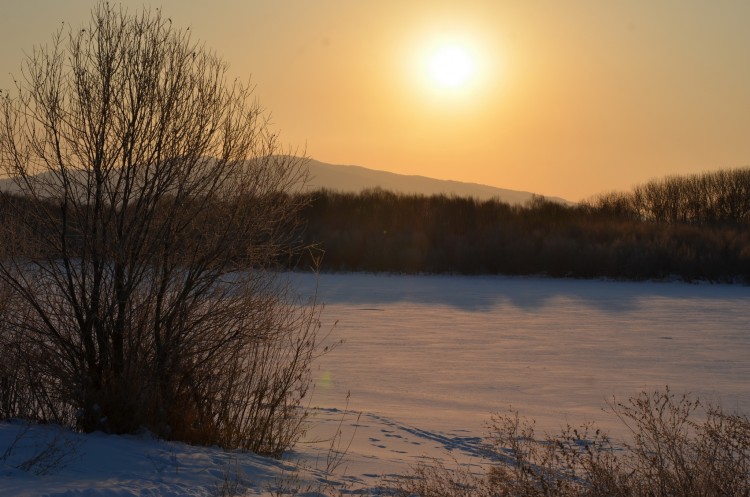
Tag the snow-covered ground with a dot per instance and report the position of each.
(425, 360)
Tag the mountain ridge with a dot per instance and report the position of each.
(354, 179)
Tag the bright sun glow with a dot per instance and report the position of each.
(451, 66)
(450, 71)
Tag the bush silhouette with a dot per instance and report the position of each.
(152, 202)
(678, 447)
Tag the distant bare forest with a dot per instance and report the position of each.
(688, 227)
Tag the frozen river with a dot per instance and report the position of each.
(442, 352)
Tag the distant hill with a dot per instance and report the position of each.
(355, 179)
(341, 178)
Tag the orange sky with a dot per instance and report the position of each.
(568, 98)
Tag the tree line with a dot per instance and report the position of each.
(692, 228)
(718, 197)
(630, 235)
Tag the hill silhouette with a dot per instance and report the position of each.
(354, 179)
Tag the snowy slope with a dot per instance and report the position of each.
(370, 450)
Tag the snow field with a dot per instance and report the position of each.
(425, 360)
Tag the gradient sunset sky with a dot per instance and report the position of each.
(568, 98)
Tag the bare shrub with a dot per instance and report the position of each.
(678, 447)
(40, 450)
(23, 388)
(435, 479)
(231, 484)
(329, 475)
(152, 206)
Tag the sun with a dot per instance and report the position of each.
(452, 70)
(451, 66)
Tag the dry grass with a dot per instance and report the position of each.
(678, 447)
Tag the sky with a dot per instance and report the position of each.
(568, 99)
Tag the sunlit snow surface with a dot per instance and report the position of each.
(426, 359)
(433, 350)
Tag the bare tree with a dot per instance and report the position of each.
(153, 202)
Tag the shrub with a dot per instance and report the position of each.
(139, 252)
(678, 447)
